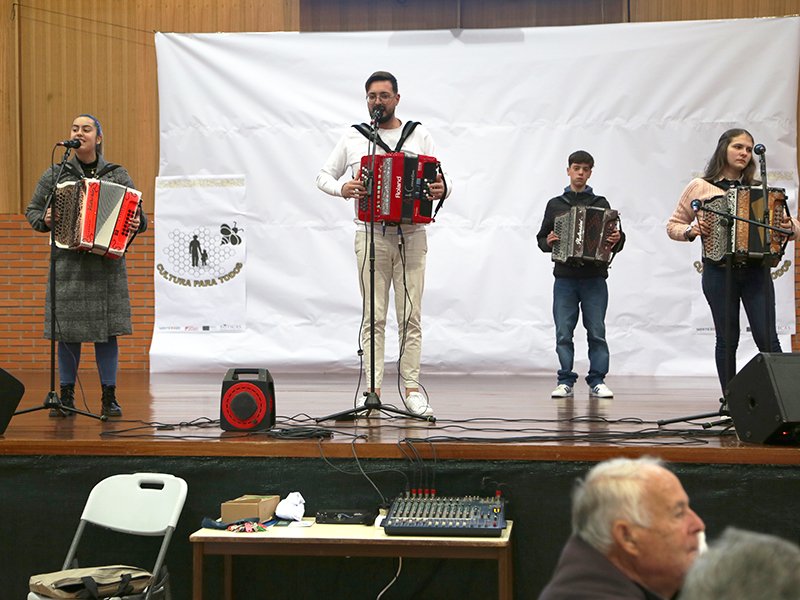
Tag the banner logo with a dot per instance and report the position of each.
(201, 258)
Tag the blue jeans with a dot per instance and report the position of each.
(106, 355)
(590, 297)
(756, 291)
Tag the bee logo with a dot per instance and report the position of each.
(230, 234)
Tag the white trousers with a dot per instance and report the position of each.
(408, 280)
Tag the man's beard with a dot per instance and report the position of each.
(386, 117)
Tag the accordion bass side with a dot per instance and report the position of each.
(95, 215)
(583, 233)
(749, 243)
(401, 188)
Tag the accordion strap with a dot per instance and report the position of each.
(107, 168)
(614, 252)
(408, 129)
(444, 193)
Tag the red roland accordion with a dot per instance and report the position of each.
(95, 215)
(748, 243)
(401, 188)
(583, 233)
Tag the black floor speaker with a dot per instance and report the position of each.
(11, 391)
(247, 404)
(764, 399)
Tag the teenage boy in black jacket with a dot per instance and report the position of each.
(579, 286)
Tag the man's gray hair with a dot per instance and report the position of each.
(745, 565)
(612, 490)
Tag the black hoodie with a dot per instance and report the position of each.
(574, 269)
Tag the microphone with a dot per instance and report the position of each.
(696, 204)
(70, 144)
(760, 149)
(377, 113)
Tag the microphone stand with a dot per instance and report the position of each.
(723, 413)
(372, 400)
(53, 401)
(730, 356)
(768, 291)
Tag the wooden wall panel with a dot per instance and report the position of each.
(685, 10)
(81, 57)
(9, 112)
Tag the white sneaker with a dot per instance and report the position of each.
(417, 403)
(601, 391)
(562, 391)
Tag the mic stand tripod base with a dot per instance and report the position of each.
(726, 421)
(690, 418)
(54, 402)
(723, 412)
(373, 402)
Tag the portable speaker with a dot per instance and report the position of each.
(247, 405)
(764, 399)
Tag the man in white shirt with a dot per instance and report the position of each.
(400, 250)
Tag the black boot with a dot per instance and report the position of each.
(110, 406)
(67, 399)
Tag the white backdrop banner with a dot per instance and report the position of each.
(506, 107)
(200, 276)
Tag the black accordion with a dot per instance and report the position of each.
(583, 233)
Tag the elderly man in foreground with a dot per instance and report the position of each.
(633, 535)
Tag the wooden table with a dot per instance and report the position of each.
(344, 540)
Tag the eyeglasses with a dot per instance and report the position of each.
(384, 96)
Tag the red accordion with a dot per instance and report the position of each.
(95, 215)
(401, 188)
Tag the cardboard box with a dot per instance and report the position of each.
(250, 507)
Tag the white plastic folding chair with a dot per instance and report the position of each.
(145, 504)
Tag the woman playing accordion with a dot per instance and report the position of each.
(92, 301)
(731, 165)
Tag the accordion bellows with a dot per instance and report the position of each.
(95, 215)
(583, 233)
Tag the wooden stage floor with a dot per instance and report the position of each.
(479, 417)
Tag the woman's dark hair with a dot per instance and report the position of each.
(719, 160)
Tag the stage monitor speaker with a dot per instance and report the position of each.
(764, 399)
(247, 405)
(11, 391)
